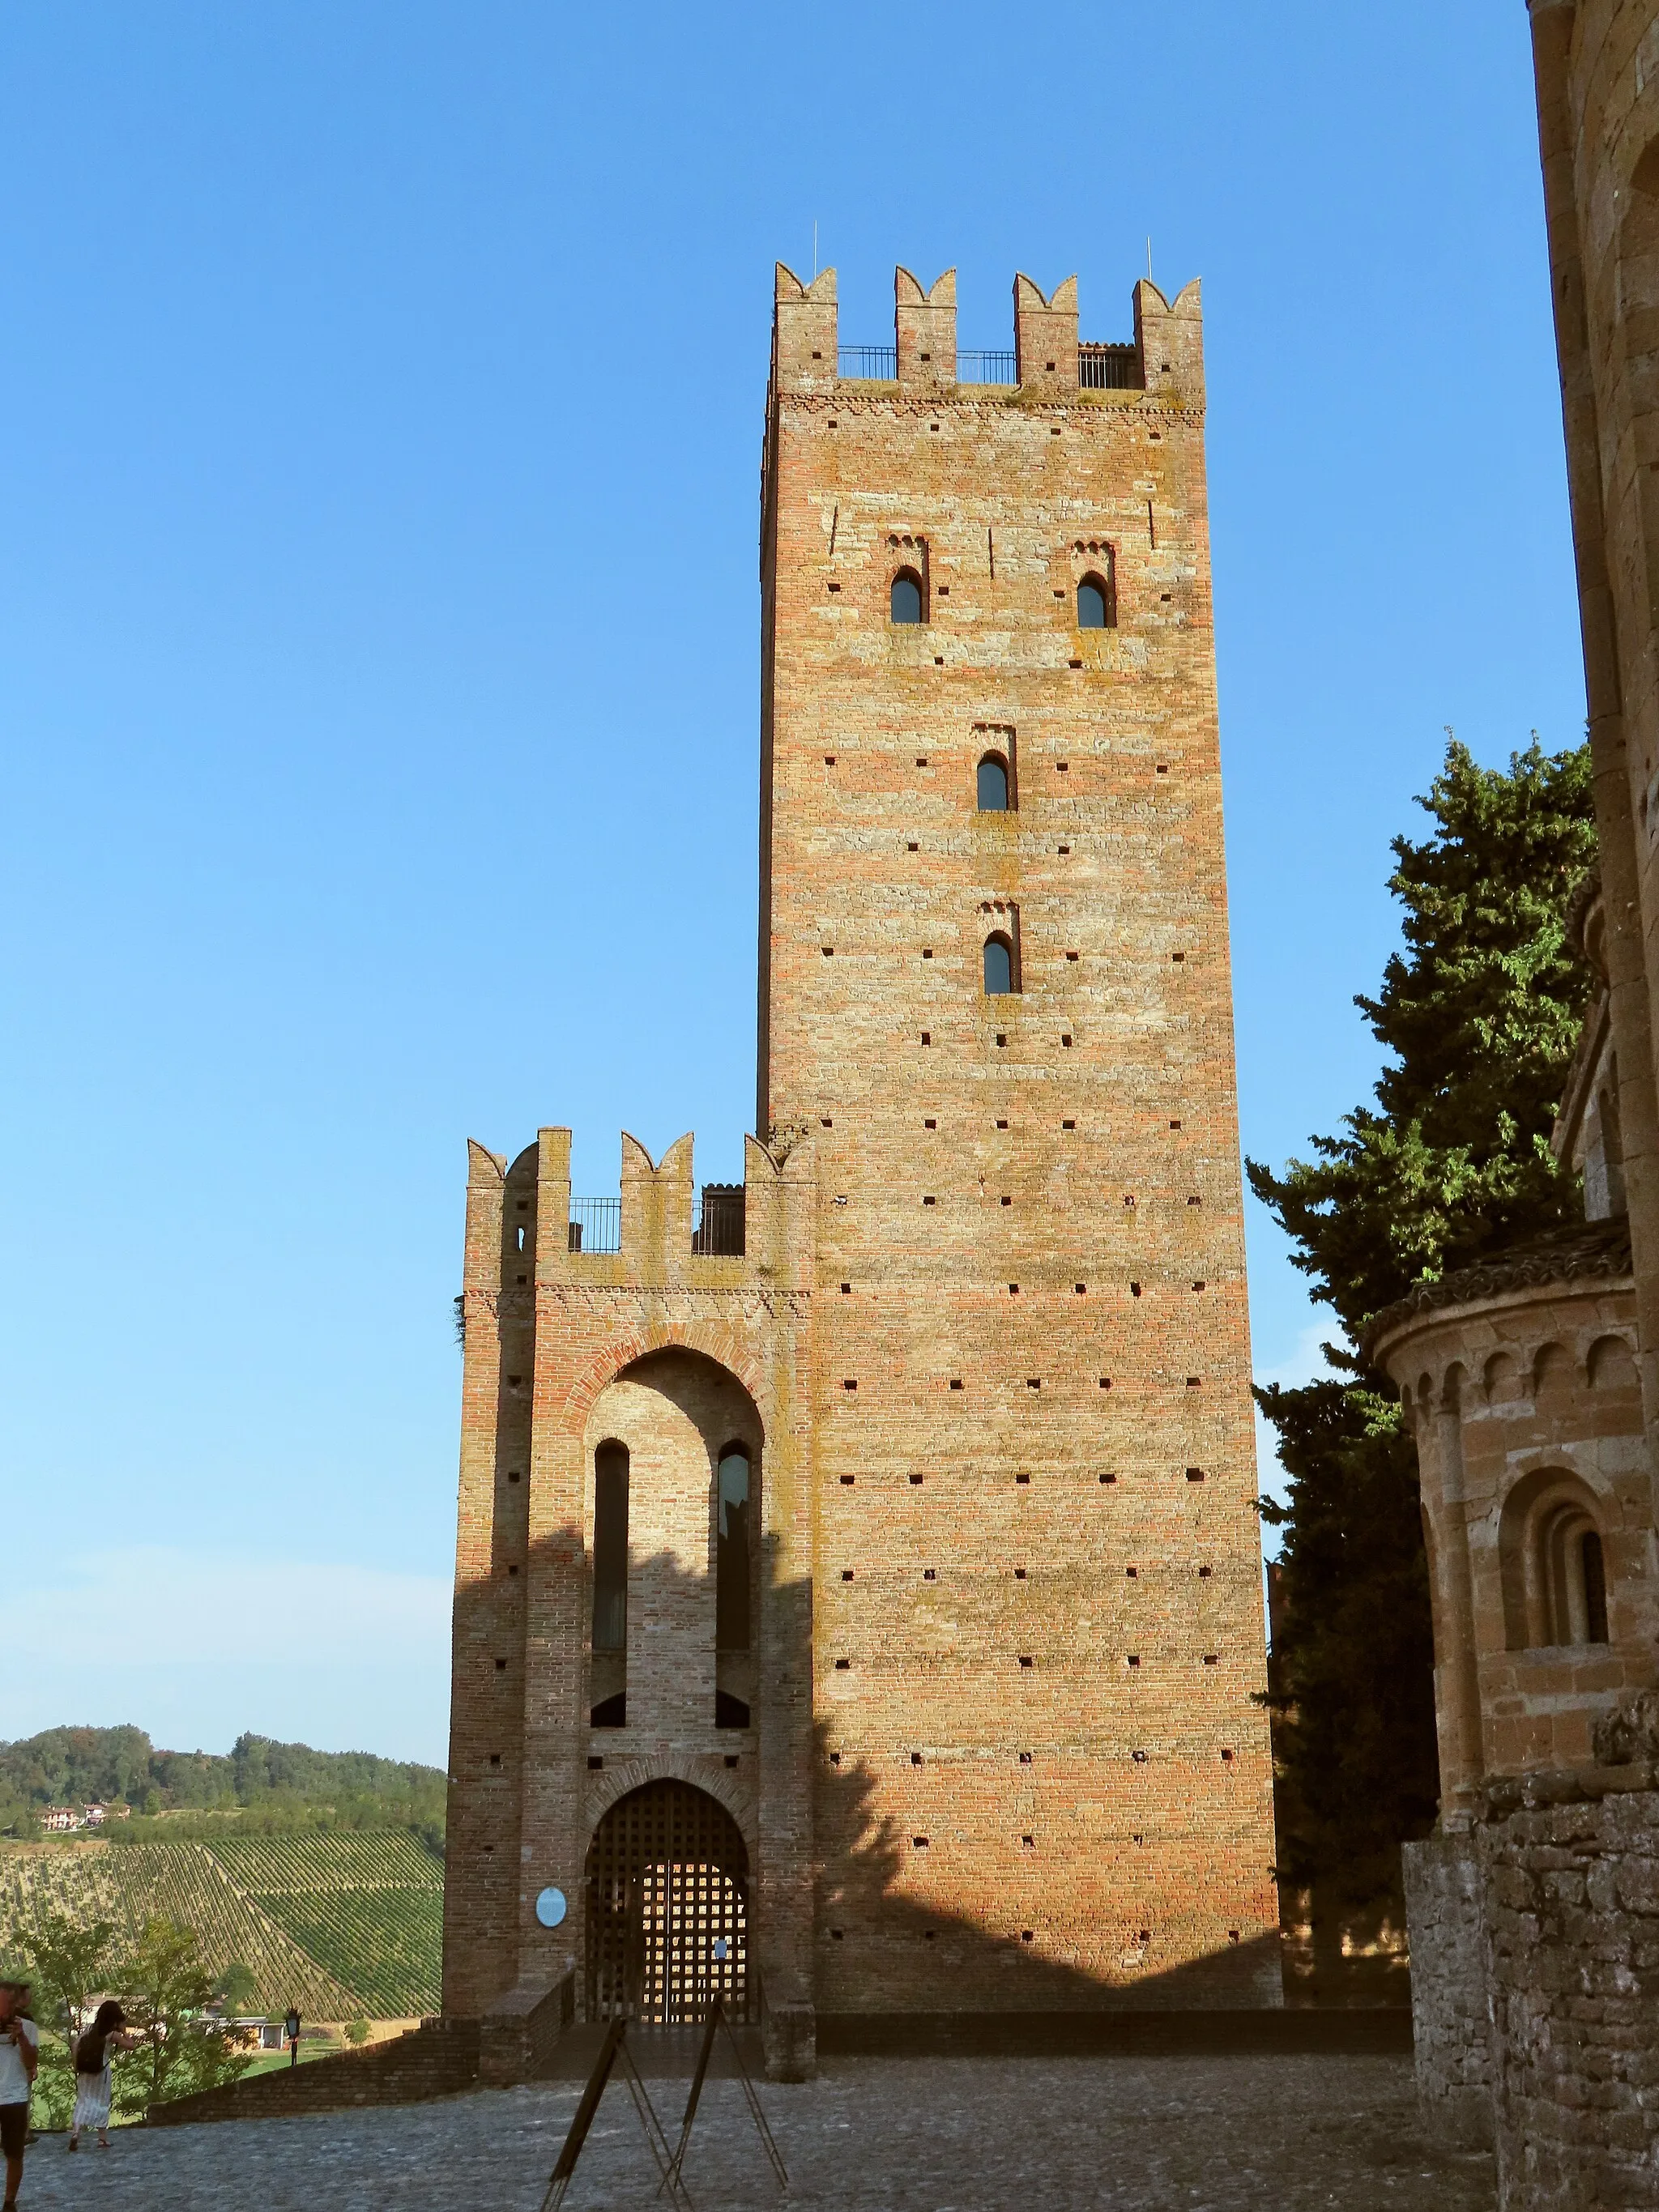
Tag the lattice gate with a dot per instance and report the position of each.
(667, 1908)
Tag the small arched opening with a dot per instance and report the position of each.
(667, 1908)
(999, 965)
(610, 1586)
(906, 600)
(995, 787)
(734, 1574)
(1097, 602)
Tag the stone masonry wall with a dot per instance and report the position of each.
(1573, 1902)
(1445, 1909)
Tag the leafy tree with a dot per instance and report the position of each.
(167, 1989)
(70, 1965)
(357, 2032)
(77, 1766)
(18, 1816)
(1480, 1014)
(239, 1988)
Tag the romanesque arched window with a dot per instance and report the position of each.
(999, 965)
(904, 601)
(993, 795)
(1554, 1561)
(1573, 1573)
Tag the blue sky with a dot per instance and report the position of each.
(383, 388)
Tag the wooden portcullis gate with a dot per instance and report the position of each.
(667, 1908)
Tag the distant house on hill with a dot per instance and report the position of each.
(61, 1819)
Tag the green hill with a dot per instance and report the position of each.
(339, 1922)
(266, 1784)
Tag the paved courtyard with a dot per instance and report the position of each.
(938, 2134)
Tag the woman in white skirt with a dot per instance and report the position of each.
(92, 2072)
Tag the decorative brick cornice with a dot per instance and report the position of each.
(854, 394)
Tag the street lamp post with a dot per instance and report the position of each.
(292, 2026)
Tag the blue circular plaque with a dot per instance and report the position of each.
(550, 1907)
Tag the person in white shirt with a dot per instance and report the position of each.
(20, 2042)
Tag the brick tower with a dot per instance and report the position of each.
(966, 1727)
(1037, 1603)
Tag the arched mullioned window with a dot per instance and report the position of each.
(994, 796)
(1554, 1563)
(999, 965)
(1097, 602)
(611, 1548)
(732, 1552)
(904, 601)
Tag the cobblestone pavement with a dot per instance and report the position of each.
(932, 2135)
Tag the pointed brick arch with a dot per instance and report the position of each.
(727, 1346)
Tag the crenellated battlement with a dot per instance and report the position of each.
(925, 329)
(804, 332)
(1048, 359)
(527, 1228)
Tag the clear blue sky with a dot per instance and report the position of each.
(382, 389)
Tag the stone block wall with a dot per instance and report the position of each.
(1445, 1910)
(1572, 1895)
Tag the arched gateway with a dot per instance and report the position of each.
(667, 1908)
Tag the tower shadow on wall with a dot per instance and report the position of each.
(936, 1961)
(884, 1947)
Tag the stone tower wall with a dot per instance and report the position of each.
(1597, 69)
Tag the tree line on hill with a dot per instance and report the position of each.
(1480, 1014)
(263, 1785)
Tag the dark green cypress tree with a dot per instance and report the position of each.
(1480, 1013)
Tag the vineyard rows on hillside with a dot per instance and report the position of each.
(128, 1883)
(368, 1907)
(339, 1923)
(338, 1860)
